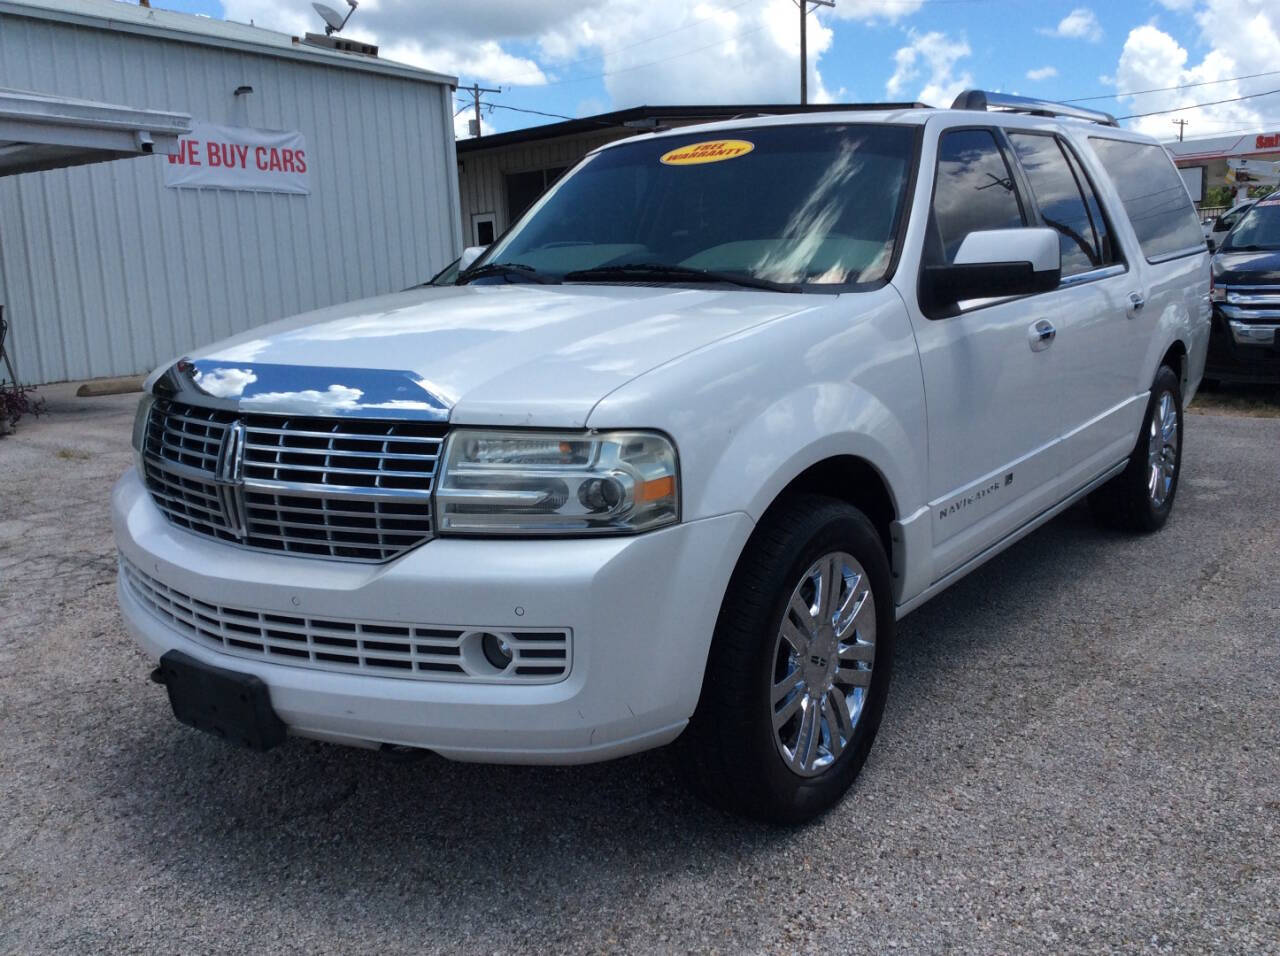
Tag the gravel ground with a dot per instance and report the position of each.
(1081, 752)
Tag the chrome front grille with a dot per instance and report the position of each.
(411, 651)
(353, 490)
(1253, 313)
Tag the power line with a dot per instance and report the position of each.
(1196, 106)
(804, 43)
(475, 90)
(521, 109)
(1169, 89)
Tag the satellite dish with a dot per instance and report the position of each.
(334, 21)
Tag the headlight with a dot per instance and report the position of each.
(495, 482)
(141, 419)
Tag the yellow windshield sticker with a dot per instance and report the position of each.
(711, 151)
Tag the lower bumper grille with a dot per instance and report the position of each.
(412, 651)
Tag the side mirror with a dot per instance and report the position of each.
(996, 263)
(469, 256)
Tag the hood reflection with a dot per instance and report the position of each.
(303, 390)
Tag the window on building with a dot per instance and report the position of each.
(524, 189)
(482, 229)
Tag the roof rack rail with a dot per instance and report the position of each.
(982, 100)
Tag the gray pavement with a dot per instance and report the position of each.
(1081, 752)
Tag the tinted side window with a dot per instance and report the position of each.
(974, 190)
(1108, 248)
(1154, 197)
(1061, 203)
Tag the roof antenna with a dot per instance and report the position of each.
(334, 21)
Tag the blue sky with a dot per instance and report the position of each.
(550, 55)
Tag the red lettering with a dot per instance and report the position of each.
(213, 154)
(186, 154)
(260, 157)
(300, 160)
(286, 160)
(1268, 142)
(275, 166)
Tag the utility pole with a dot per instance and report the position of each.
(804, 43)
(1181, 124)
(475, 90)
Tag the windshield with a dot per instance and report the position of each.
(797, 205)
(1259, 229)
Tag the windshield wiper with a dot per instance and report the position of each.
(503, 269)
(655, 272)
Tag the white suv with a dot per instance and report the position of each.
(668, 463)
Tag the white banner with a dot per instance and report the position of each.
(238, 157)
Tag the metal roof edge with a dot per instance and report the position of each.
(316, 56)
(709, 113)
(34, 107)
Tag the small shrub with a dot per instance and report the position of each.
(18, 400)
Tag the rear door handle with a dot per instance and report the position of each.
(1041, 335)
(1136, 302)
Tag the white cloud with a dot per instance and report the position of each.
(482, 60)
(722, 53)
(1080, 24)
(934, 56)
(1242, 36)
(1043, 73)
(648, 50)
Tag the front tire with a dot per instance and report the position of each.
(1140, 498)
(799, 667)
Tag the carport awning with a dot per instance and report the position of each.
(38, 131)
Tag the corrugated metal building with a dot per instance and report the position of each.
(106, 270)
(501, 175)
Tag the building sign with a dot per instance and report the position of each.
(238, 157)
(1269, 142)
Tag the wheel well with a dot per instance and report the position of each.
(1176, 359)
(855, 481)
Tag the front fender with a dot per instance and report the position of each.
(810, 425)
(751, 412)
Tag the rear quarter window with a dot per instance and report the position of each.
(1154, 197)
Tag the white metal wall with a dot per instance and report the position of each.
(105, 271)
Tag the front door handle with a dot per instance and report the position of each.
(1136, 302)
(1041, 335)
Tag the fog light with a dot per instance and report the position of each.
(496, 651)
(601, 494)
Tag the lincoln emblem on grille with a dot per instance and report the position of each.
(350, 489)
(229, 478)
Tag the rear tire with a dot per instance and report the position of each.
(1140, 498)
(799, 666)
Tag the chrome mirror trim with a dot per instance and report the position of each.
(302, 390)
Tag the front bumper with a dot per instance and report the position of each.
(641, 611)
(1243, 349)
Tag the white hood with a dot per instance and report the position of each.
(513, 354)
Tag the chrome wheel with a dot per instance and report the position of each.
(823, 659)
(1162, 449)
